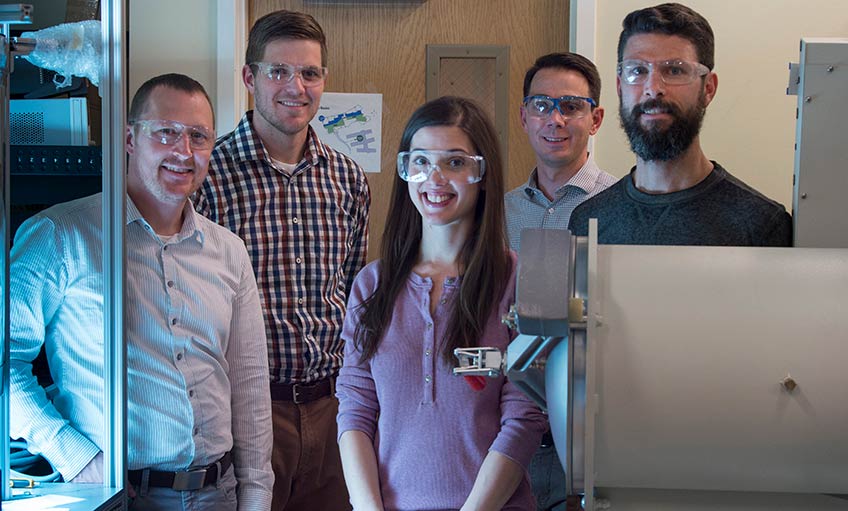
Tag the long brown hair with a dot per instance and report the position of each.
(484, 258)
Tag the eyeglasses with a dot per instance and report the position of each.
(310, 76)
(672, 72)
(171, 132)
(570, 107)
(417, 166)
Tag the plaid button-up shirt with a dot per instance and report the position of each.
(307, 236)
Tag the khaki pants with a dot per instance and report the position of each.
(307, 466)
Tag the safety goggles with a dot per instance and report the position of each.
(672, 72)
(570, 107)
(310, 76)
(417, 166)
(170, 132)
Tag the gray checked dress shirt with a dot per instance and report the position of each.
(528, 208)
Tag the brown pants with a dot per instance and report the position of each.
(307, 466)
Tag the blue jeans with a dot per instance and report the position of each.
(548, 480)
(215, 497)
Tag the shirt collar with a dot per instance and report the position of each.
(251, 148)
(191, 227)
(586, 179)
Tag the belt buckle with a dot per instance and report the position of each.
(296, 394)
(191, 480)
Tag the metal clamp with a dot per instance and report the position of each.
(478, 362)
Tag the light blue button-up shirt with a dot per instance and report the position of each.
(197, 369)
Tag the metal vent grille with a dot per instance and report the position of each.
(27, 128)
(473, 71)
(473, 78)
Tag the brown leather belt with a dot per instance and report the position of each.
(182, 481)
(300, 393)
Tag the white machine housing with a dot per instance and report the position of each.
(704, 378)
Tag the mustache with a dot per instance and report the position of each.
(176, 159)
(653, 104)
(174, 162)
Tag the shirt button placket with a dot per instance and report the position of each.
(429, 395)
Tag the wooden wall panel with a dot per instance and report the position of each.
(381, 48)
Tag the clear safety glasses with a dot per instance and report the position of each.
(310, 76)
(417, 166)
(170, 132)
(672, 72)
(570, 107)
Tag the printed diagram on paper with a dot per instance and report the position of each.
(352, 124)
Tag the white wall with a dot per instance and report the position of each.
(168, 36)
(750, 126)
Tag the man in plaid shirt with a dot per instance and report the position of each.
(302, 210)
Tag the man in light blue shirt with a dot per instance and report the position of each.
(559, 113)
(199, 411)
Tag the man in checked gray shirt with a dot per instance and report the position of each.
(559, 113)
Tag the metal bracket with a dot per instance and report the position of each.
(17, 14)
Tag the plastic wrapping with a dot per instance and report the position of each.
(70, 49)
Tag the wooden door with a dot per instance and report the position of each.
(380, 47)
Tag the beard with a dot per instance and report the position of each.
(654, 143)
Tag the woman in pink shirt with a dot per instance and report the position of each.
(412, 435)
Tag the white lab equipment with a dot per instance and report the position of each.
(699, 378)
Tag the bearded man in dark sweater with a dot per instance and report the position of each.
(675, 195)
